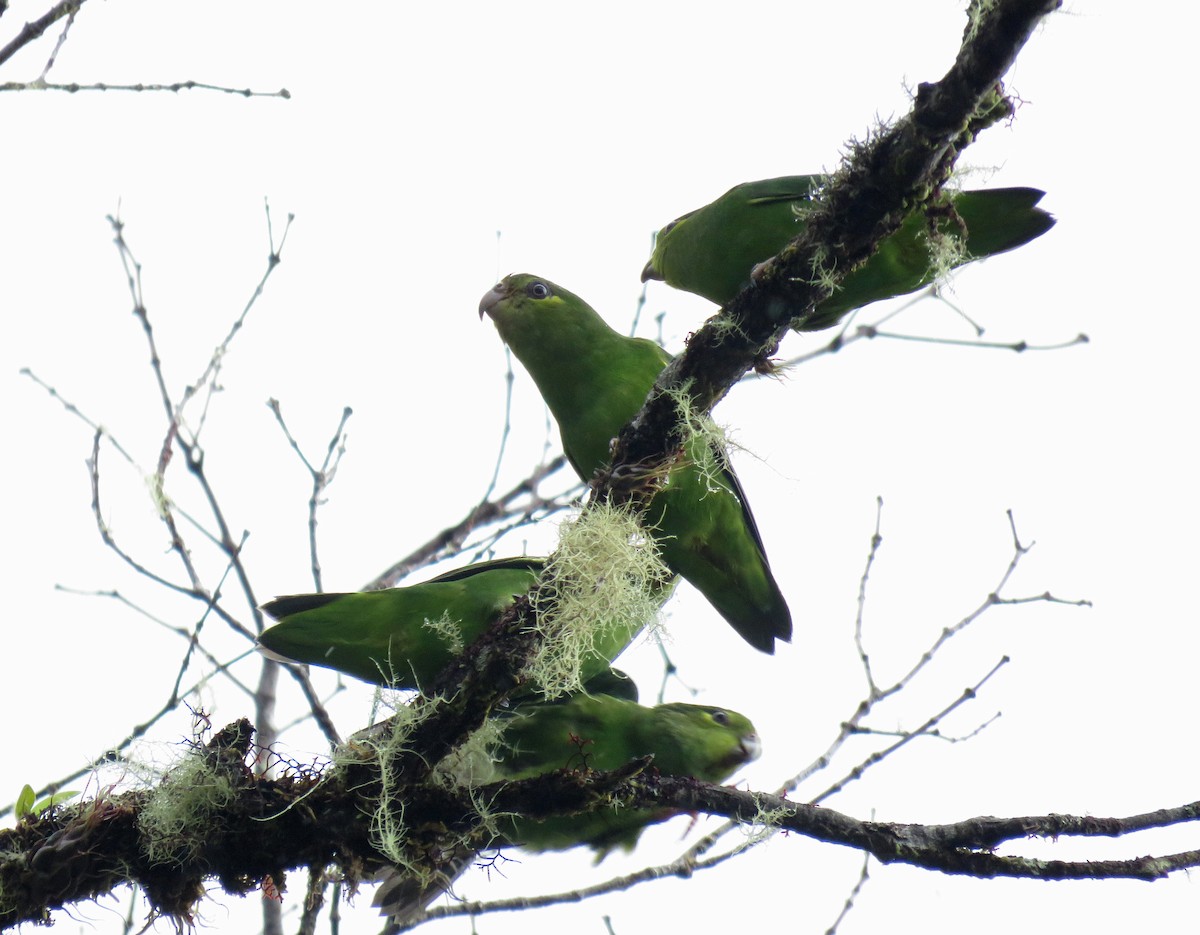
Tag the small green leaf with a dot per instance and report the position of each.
(24, 804)
(51, 800)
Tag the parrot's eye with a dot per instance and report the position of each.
(720, 717)
(538, 290)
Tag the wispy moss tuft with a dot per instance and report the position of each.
(175, 821)
(603, 585)
(705, 442)
(448, 630)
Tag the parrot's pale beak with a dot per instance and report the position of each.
(492, 299)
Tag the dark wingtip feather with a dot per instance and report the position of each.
(1009, 218)
(290, 604)
(762, 632)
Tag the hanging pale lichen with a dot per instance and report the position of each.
(603, 585)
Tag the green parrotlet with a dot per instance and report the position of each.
(603, 732)
(713, 250)
(403, 637)
(594, 380)
(600, 733)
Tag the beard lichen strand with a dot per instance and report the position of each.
(603, 584)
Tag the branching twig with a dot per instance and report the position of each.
(58, 44)
(924, 730)
(68, 8)
(73, 87)
(863, 876)
(847, 336)
(449, 541)
(854, 724)
(222, 668)
(322, 477)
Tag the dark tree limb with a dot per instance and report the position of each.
(265, 827)
(882, 181)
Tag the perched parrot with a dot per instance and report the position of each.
(712, 250)
(396, 638)
(594, 380)
(601, 733)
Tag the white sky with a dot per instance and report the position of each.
(409, 141)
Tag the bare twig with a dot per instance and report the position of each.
(321, 477)
(182, 632)
(875, 695)
(509, 379)
(62, 37)
(847, 336)
(876, 542)
(867, 331)
(74, 87)
(924, 730)
(449, 541)
(848, 906)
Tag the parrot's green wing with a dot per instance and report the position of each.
(712, 250)
(402, 637)
(612, 682)
(601, 733)
(595, 380)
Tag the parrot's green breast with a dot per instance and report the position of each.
(594, 380)
(604, 733)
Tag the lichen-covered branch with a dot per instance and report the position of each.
(213, 817)
(882, 181)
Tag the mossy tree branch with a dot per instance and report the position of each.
(308, 819)
(882, 181)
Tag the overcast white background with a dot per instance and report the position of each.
(410, 139)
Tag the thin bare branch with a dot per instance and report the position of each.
(847, 336)
(75, 87)
(867, 331)
(449, 541)
(321, 477)
(924, 730)
(848, 906)
(62, 37)
(859, 644)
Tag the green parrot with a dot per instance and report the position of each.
(597, 732)
(595, 380)
(712, 251)
(403, 637)
(604, 732)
